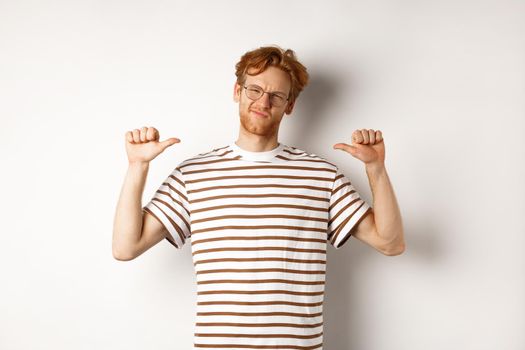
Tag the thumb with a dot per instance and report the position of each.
(346, 147)
(169, 142)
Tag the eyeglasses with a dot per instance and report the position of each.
(255, 92)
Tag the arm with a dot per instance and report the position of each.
(133, 231)
(382, 228)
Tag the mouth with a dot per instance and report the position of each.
(259, 114)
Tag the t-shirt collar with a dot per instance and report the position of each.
(256, 156)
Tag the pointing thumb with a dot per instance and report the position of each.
(349, 148)
(169, 142)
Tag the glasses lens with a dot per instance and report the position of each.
(277, 100)
(253, 92)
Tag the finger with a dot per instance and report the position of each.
(372, 136)
(169, 142)
(157, 134)
(346, 147)
(357, 137)
(342, 146)
(129, 136)
(150, 134)
(366, 139)
(143, 132)
(379, 136)
(136, 136)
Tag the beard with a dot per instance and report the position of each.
(259, 126)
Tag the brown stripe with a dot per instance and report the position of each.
(227, 324)
(209, 154)
(340, 227)
(295, 154)
(337, 229)
(315, 188)
(264, 195)
(251, 249)
(274, 291)
(292, 314)
(274, 302)
(183, 196)
(260, 177)
(340, 199)
(212, 161)
(274, 280)
(342, 210)
(302, 261)
(335, 190)
(256, 238)
(173, 210)
(306, 272)
(274, 347)
(179, 181)
(173, 199)
(302, 207)
(369, 210)
(346, 219)
(337, 179)
(306, 160)
(237, 335)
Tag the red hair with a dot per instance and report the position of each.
(262, 58)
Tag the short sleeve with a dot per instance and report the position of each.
(170, 206)
(346, 210)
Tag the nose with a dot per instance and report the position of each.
(264, 100)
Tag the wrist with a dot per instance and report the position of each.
(138, 164)
(375, 168)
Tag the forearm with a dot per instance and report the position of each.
(127, 225)
(386, 210)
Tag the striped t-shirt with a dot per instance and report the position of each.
(258, 223)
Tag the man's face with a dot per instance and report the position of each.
(260, 117)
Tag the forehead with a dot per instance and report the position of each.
(272, 79)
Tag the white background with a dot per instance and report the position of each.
(443, 80)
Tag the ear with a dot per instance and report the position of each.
(289, 107)
(236, 92)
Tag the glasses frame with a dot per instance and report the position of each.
(271, 93)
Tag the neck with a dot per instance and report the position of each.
(256, 143)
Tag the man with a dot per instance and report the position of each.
(259, 214)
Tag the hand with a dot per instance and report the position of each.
(367, 146)
(143, 145)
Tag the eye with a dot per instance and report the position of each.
(278, 97)
(254, 88)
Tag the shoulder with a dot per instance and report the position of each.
(294, 153)
(205, 157)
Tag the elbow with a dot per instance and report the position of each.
(396, 247)
(121, 257)
(394, 251)
(122, 254)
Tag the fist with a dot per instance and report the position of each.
(143, 145)
(367, 146)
